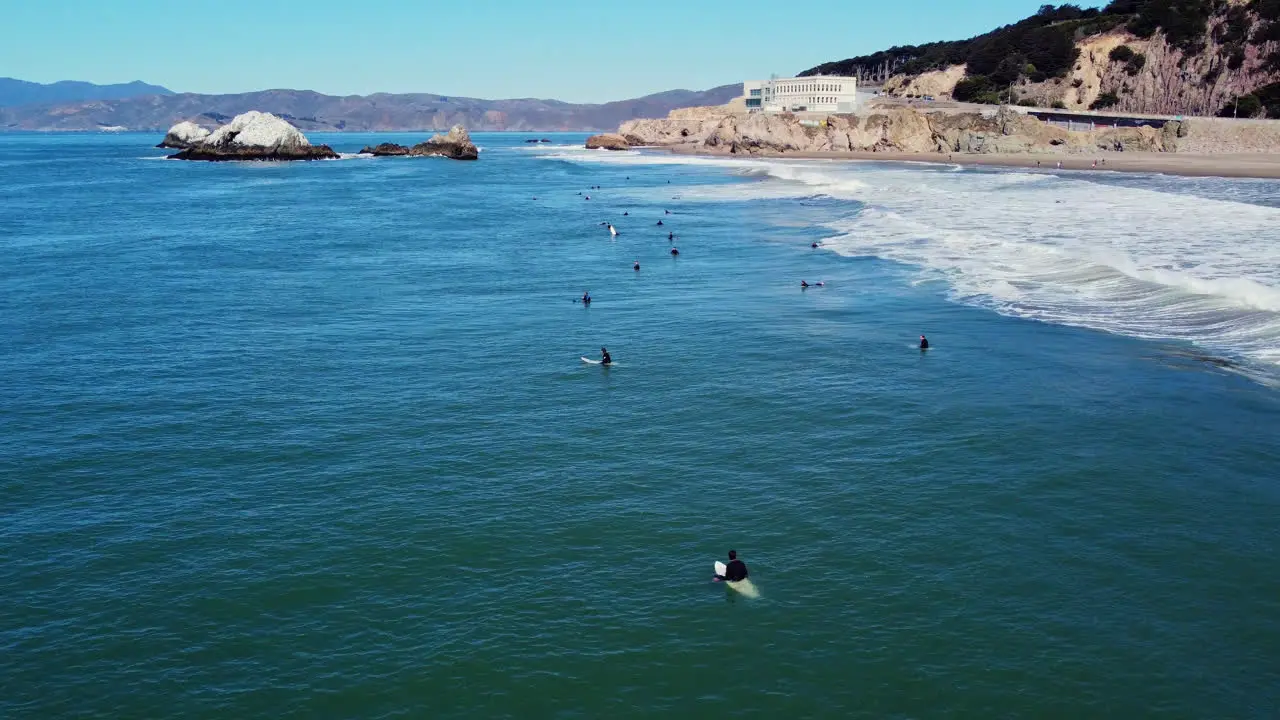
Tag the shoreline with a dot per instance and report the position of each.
(1260, 166)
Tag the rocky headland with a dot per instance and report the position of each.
(455, 144)
(997, 137)
(250, 136)
(901, 130)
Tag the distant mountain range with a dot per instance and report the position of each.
(20, 92)
(312, 111)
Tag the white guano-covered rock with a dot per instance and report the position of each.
(259, 130)
(256, 136)
(184, 135)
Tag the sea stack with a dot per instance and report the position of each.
(256, 136)
(183, 135)
(455, 144)
(608, 141)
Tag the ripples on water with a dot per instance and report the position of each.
(314, 440)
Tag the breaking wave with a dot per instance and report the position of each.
(1139, 255)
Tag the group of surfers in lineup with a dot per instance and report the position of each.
(605, 359)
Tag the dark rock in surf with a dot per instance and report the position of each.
(385, 149)
(455, 144)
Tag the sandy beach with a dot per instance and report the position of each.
(1252, 165)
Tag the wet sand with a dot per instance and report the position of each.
(1253, 165)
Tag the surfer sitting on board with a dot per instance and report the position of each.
(604, 357)
(735, 571)
(586, 297)
(924, 343)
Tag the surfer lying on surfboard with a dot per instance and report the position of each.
(735, 571)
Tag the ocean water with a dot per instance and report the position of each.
(314, 440)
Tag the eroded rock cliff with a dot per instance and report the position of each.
(887, 130)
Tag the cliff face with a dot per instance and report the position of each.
(716, 130)
(935, 83)
(1168, 82)
(1175, 57)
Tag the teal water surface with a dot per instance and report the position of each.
(314, 440)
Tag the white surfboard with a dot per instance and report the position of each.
(743, 586)
(589, 361)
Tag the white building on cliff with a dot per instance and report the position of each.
(820, 93)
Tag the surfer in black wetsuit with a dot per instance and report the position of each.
(671, 236)
(659, 223)
(586, 297)
(604, 357)
(735, 571)
(675, 251)
(924, 343)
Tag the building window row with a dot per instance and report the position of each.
(810, 87)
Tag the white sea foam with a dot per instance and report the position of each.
(1155, 262)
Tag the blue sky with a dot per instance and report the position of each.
(568, 49)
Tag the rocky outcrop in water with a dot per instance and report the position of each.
(608, 141)
(183, 135)
(897, 129)
(256, 136)
(384, 150)
(455, 144)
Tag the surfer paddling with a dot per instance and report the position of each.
(735, 571)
